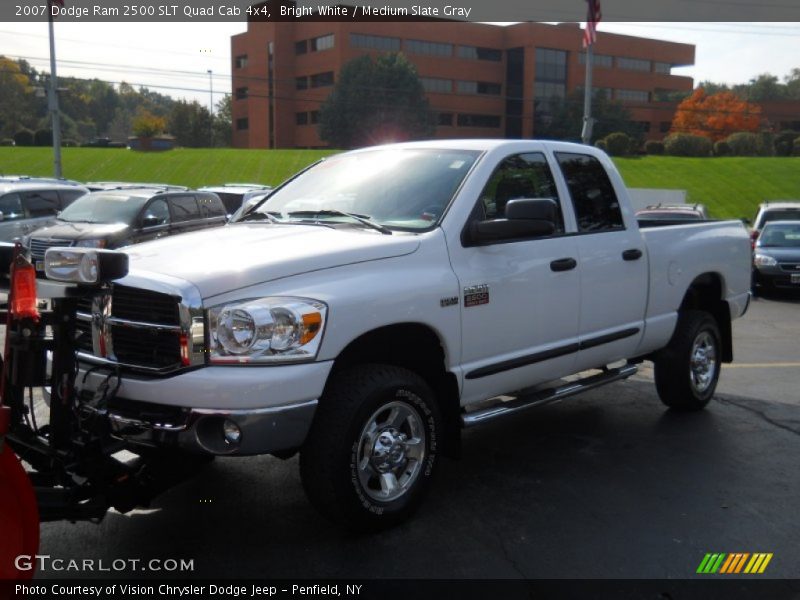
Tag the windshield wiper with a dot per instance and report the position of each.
(363, 219)
(259, 216)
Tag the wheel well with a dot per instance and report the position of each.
(415, 347)
(705, 293)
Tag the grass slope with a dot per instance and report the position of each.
(730, 187)
(191, 167)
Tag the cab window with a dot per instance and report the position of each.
(519, 176)
(156, 214)
(184, 208)
(43, 203)
(593, 197)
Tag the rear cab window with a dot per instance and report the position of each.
(593, 197)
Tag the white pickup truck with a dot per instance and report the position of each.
(384, 299)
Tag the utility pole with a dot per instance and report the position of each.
(210, 110)
(52, 99)
(586, 134)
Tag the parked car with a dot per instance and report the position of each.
(116, 218)
(673, 212)
(26, 206)
(96, 186)
(776, 260)
(782, 210)
(34, 179)
(233, 195)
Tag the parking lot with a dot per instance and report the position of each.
(607, 485)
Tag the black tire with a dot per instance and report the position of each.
(684, 383)
(340, 463)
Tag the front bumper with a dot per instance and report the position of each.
(272, 407)
(775, 278)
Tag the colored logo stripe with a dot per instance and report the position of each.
(728, 564)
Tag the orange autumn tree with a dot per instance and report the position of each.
(715, 116)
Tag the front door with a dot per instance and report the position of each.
(519, 299)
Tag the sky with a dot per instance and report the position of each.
(174, 58)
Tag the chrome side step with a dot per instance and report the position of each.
(547, 396)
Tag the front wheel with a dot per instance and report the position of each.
(687, 370)
(372, 448)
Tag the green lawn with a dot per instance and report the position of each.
(730, 187)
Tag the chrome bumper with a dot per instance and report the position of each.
(201, 430)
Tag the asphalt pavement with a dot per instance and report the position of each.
(606, 485)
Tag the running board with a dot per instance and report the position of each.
(546, 396)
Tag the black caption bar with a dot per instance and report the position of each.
(466, 10)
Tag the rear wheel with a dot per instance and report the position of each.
(372, 448)
(687, 370)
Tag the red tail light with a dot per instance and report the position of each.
(23, 290)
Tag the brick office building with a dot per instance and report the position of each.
(483, 80)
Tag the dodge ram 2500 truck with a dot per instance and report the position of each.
(383, 299)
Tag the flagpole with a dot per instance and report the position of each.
(586, 134)
(53, 98)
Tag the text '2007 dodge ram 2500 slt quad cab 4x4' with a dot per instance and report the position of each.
(385, 298)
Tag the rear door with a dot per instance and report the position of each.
(612, 264)
(185, 213)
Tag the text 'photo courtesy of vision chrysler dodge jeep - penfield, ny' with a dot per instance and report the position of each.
(380, 301)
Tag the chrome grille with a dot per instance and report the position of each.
(141, 329)
(39, 246)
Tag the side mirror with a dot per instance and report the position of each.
(2, 216)
(525, 218)
(150, 221)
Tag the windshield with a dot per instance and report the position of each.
(405, 189)
(780, 236)
(104, 207)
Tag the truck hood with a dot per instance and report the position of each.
(227, 258)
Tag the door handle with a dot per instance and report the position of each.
(632, 254)
(563, 264)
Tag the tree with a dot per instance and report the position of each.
(15, 92)
(190, 123)
(715, 116)
(376, 101)
(223, 122)
(562, 118)
(146, 124)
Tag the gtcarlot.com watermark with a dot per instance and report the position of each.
(45, 563)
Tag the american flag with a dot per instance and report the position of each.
(593, 16)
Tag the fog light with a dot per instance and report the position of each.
(231, 432)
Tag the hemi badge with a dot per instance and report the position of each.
(451, 301)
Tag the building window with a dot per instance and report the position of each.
(434, 85)
(633, 64)
(633, 96)
(301, 118)
(598, 60)
(544, 90)
(478, 53)
(665, 126)
(551, 65)
(301, 83)
(479, 87)
(321, 79)
(374, 42)
(301, 47)
(314, 117)
(444, 119)
(242, 124)
(429, 48)
(323, 42)
(241, 93)
(466, 120)
(662, 67)
(240, 62)
(642, 126)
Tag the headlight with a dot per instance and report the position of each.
(762, 260)
(90, 243)
(266, 330)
